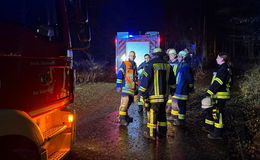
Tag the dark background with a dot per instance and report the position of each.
(231, 26)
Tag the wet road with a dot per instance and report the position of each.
(99, 136)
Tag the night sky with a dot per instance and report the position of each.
(136, 16)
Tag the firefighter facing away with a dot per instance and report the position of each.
(218, 93)
(158, 78)
(126, 83)
(140, 71)
(184, 84)
(172, 104)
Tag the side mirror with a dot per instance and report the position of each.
(46, 31)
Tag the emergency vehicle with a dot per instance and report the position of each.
(141, 44)
(36, 80)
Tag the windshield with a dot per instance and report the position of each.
(41, 16)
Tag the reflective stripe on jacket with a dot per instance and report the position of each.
(184, 81)
(157, 80)
(174, 66)
(220, 83)
(127, 77)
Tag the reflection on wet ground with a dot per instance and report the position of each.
(101, 137)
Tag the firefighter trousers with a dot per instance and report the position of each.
(126, 101)
(179, 109)
(174, 108)
(214, 117)
(157, 116)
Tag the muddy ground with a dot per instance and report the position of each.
(98, 135)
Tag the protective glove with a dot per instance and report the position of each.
(118, 89)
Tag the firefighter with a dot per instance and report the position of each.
(219, 92)
(172, 108)
(158, 78)
(184, 84)
(126, 84)
(140, 70)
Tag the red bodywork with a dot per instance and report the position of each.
(35, 85)
(35, 74)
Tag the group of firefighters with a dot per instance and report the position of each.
(157, 82)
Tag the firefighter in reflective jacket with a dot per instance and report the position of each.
(140, 71)
(184, 84)
(158, 78)
(126, 83)
(171, 103)
(219, 91)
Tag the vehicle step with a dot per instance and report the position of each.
(54, 131)
(58, 155)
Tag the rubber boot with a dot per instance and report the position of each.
(216, 134)
(123, 121)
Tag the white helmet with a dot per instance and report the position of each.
(206, 103)
(171, 51)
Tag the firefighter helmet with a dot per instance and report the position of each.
(172, 51)
(206, 103)
(157, 50)
(183, 54)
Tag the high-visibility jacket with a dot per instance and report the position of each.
(184, 81)
(157, 80)
(174, 66)
(127, 77)
(140, 69)
(220, 84)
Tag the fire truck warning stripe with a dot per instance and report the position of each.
(122, 50)
(120, 41)
(121, 44)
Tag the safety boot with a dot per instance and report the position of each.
(171, 117)
(178, 122)
(148, 135)
(123, 121)
(208, 129)
(214, 136)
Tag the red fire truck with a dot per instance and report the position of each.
(36, 80)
